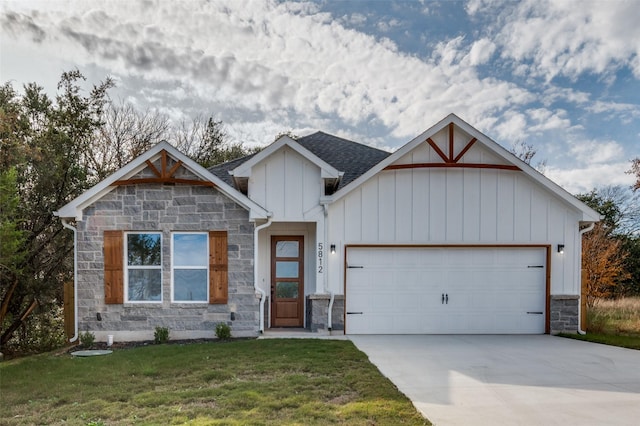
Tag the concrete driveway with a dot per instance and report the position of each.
(511, 380)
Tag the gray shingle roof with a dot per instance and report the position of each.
(352, 158)
(222, 170)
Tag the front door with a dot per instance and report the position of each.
(287, 281)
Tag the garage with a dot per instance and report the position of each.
(446, 290)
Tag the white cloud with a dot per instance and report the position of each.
(543, 119)
(356, 19)
(481, 51)
(597, 152)
(386, 26)
(596, 164)
(587, 177)
(553, 94)
(474, 6)
(566, 38)
(277, 61)
(601, 106)
(266, 67)
(512, 127)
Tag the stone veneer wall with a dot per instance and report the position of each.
(564, 313)
(165, 208)
(318, 308)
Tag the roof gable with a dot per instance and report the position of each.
(453, 143)
(351, 158)
(326, 170)
(162, 163)
(449, 147)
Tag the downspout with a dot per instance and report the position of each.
(331, 298)
(326, 279)
(263, 295)
(65, 223)
(580, 330)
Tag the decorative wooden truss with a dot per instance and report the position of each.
(451, 160)
(165, 175)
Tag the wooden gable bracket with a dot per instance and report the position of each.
(450, 160)
(164, 175)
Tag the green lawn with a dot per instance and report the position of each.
(241, 382)
(613, 322)
(630, 342)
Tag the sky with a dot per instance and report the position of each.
(562, 76)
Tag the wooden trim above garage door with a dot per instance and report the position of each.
(547, 319)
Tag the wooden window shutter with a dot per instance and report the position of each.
(218, 267)
(113, 267)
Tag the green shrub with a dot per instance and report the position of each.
(161, 335)
(87, 339)
(42, 331)
(223, 331)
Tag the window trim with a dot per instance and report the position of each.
(127, 267)
(204, 267)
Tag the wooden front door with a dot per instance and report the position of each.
(287, 281)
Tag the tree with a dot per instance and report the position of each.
(603, 261)
(631, 285)
(610, 268)
(11, 237)
(526, 152)
(606, 206)
(125, 134)
(289, 133)
(46, 142)
(206, 142)
(635, 170)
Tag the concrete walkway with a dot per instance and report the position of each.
(511, 380)
(300, 333)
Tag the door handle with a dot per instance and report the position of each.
(446, 298)
(442, 302)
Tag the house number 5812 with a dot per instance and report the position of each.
(320, 257)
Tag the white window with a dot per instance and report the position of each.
(190, 267)
(143, 276)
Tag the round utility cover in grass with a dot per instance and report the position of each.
(94, 352)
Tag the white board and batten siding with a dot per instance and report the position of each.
(454, 204)
(286, 184)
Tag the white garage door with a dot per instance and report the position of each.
(445, 290)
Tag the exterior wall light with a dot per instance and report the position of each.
(333, 248)
(561, 248)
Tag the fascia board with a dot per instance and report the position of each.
(326, 170)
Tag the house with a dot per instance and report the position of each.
(449, 234)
